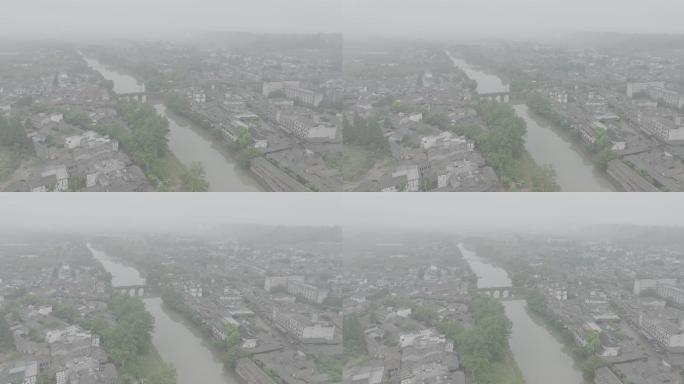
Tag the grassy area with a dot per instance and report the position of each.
(507, 371)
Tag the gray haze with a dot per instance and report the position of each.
(96, 18)
(536, 212)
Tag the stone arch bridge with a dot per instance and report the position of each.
(503, 293)
(139, 97)
(131, 290)
(499, 97)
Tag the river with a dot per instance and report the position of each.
(178, 342)
(546, 144)
(540, 356)
(190, 144)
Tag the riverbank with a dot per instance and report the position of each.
(548, 361)
(249, 160)
(196, 361)
(200, 144)
(508, 371)
(203, 344)
(545, 145)
(193, 155)
(587, 362)
(502, 144)
(540, 111)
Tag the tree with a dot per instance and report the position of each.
(426, 184)
(13, 135)
(365, 133)
(438, 119)
(603, 157)
(193, 179)
(6, 338)
(353, 336)
(590, 366)
(78, 118)
(232, 335)
(76, 183)
(244, 139)
(131, 336)
(593, 342)
(66, 312)
(162, 373)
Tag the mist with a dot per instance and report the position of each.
(91, 19)
(561, 213)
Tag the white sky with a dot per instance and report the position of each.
(86, 18)
(353, 210)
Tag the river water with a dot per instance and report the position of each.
(545, 143)
(178, 342)
(539, 354)
(188, 143)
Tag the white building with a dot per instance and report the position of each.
(309, 292)
(663, 329)
(672, 292)
(641, 285)
(306, 329)
(280, 281)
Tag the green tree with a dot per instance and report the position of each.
(78, 118)
(193, 179)
(590, 366)
(232, 335)
(353, 336)
(244, 139)
(593, 339)
(13, 135)
(6, 338)
(66, 312)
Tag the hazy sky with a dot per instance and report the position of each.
(352, 210)
(86, 18)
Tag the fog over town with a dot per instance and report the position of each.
(341, 192)
(413, 18)
(341, 288)
(442, 213)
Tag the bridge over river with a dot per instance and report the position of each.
(503, 293)
(540, 356)
(131, 290)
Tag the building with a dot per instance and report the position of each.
(634, 88)
(307, 127)
(272, 282)
(308, 329)
(294, 91)
(25, 372)
(251, 373)
(664, 329)
(364, 374)
(269, 87)
(656, 90)
(605, 376)
(671, 292)
(641, 285)
(664, 128)
(308, 292)
(305, 96)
